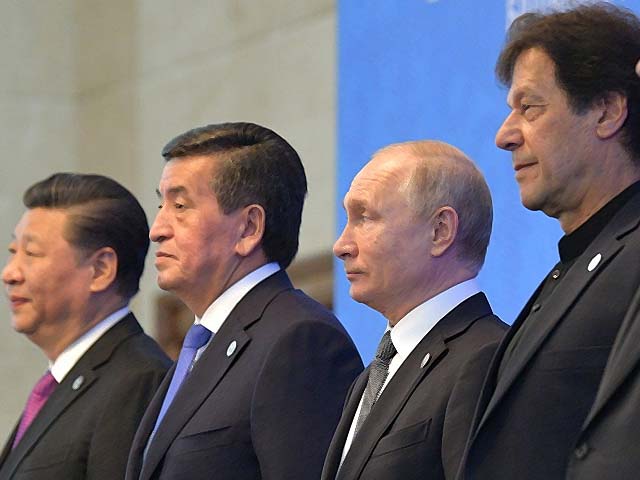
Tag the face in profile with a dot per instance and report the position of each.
(552, 146)
(384, 245)
(196, 240)
(46, 278)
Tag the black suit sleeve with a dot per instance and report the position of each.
(116, 426)
(298, 397)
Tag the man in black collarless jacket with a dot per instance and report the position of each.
(573, 134)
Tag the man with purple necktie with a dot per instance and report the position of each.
(75, 260)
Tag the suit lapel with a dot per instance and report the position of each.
(623, 360)
(334, 454)
(386, 409)
(488, 385)
(210, 369)
(407, 378)
(607, 245)
(136, 456)
(195, 389)
(79, 380)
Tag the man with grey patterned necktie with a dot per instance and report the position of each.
(418, 224)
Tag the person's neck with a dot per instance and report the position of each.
(199, 304)
(429, 290)
(97, 309)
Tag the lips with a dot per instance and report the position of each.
(351, 274)
(17, 301)
(164, 255)
(521, 166)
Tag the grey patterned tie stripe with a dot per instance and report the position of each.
(378, 372)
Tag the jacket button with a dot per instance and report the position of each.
(581, 451)
(536, 307)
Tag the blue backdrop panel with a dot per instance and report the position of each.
(418, 69)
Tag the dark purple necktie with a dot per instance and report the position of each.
(38, 397)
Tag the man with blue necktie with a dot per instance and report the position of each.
(259, 384)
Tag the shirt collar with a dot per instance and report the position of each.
(415, 325)
(62, 365)
(574, 244)
(215, 315)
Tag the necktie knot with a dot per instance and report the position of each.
(45, 385)
(386, 349)
(196, 337)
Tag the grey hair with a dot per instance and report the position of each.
(445, 176)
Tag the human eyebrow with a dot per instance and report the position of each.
(525, 96)
(177, 190)
(28, 238)
(353, 204)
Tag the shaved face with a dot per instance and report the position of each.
(384, 244)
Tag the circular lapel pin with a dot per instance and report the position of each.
(77, 383)
(425, 360)
(231, 348)
(594, 262)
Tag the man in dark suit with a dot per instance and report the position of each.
(418, 224)
(610, 431)
(258, 387)
(573, 133)
(75, 262)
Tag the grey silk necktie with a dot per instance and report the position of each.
(378, 372)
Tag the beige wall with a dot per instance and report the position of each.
(100, 86)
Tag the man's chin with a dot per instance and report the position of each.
(357, 295)
(23, 325)
(165, 283)
(530, 201)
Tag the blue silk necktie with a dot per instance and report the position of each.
(196, 337)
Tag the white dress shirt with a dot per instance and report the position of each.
(412, 328)
(215, 315)
(62, 365)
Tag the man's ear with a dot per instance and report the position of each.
(104, 262)
(445, 230)
(253, 225)
(613, 108)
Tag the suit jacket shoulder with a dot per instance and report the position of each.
(87, 425)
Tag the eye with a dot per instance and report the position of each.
(178, 206)
(12, 250)
(531, 110)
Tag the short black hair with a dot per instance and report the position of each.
(102, 213)
(594, 47)
(254, 165)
